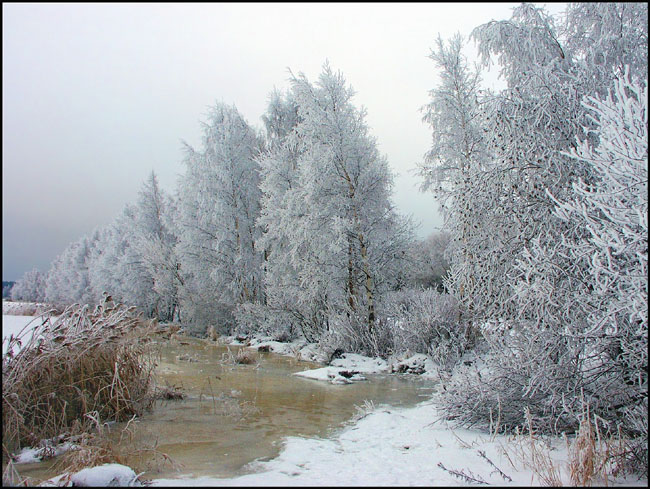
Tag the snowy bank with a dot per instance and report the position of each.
(21, 308)
(418, 364)
(346, 369)
(30, 455)
(13, 325)
(107, 475)
(397, 447)
(299, 349)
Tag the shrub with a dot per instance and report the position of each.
(257, 318)
(84, 362)
(426, 321)
(352, 333)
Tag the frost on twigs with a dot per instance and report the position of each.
(544, 189)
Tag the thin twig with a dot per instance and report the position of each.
(496, 469)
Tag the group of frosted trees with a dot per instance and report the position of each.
(133, 259)
(289, 230)
(544, 186)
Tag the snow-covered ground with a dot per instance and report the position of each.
(30, 455)
(106, 475)
(397, 447)
(21, 308)
(383, 446)
(13, 325)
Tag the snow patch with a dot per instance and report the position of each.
(333, 375)
(107, 475)
(30, 455)
(346, 369)
(360, 363)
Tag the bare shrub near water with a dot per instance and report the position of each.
(86, 361)
(426, 321)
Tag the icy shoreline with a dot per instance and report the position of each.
(397, 447)
(344, 363)
(382, 446)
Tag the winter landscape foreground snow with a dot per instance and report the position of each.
(401, 447)
(382, 445)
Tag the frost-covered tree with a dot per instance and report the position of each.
(607, 37)
(219, 200)
(612, 212)
(104, 267)
(344, 239)
(68, 279)
(137, 283)
(155, 241)
(133, 258)
(31, 287)
(516, 262)
(454, 169)
(431, 264)
(278, 184)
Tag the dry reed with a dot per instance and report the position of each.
(593, 456)
(242, 357)
(533, 453)
(99, 448)
(82, 362)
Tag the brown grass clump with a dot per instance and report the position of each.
(594, 458)
(242, 357)
(245, 357)
(169, 393)
(211, 333)
(83, 362)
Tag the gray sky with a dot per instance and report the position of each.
(95, 96)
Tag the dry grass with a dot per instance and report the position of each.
(212, 334)
(11, 477)
(593, 457)
(533, 453)
(98, 448)
(242, 357)
(87, 361)
(169, 393)
(245, 357)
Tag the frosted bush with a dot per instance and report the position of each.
(351, 332)
(258, 318)
(426, 322)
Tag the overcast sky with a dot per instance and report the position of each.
(95, 96)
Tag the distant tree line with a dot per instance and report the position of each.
(6, 288)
